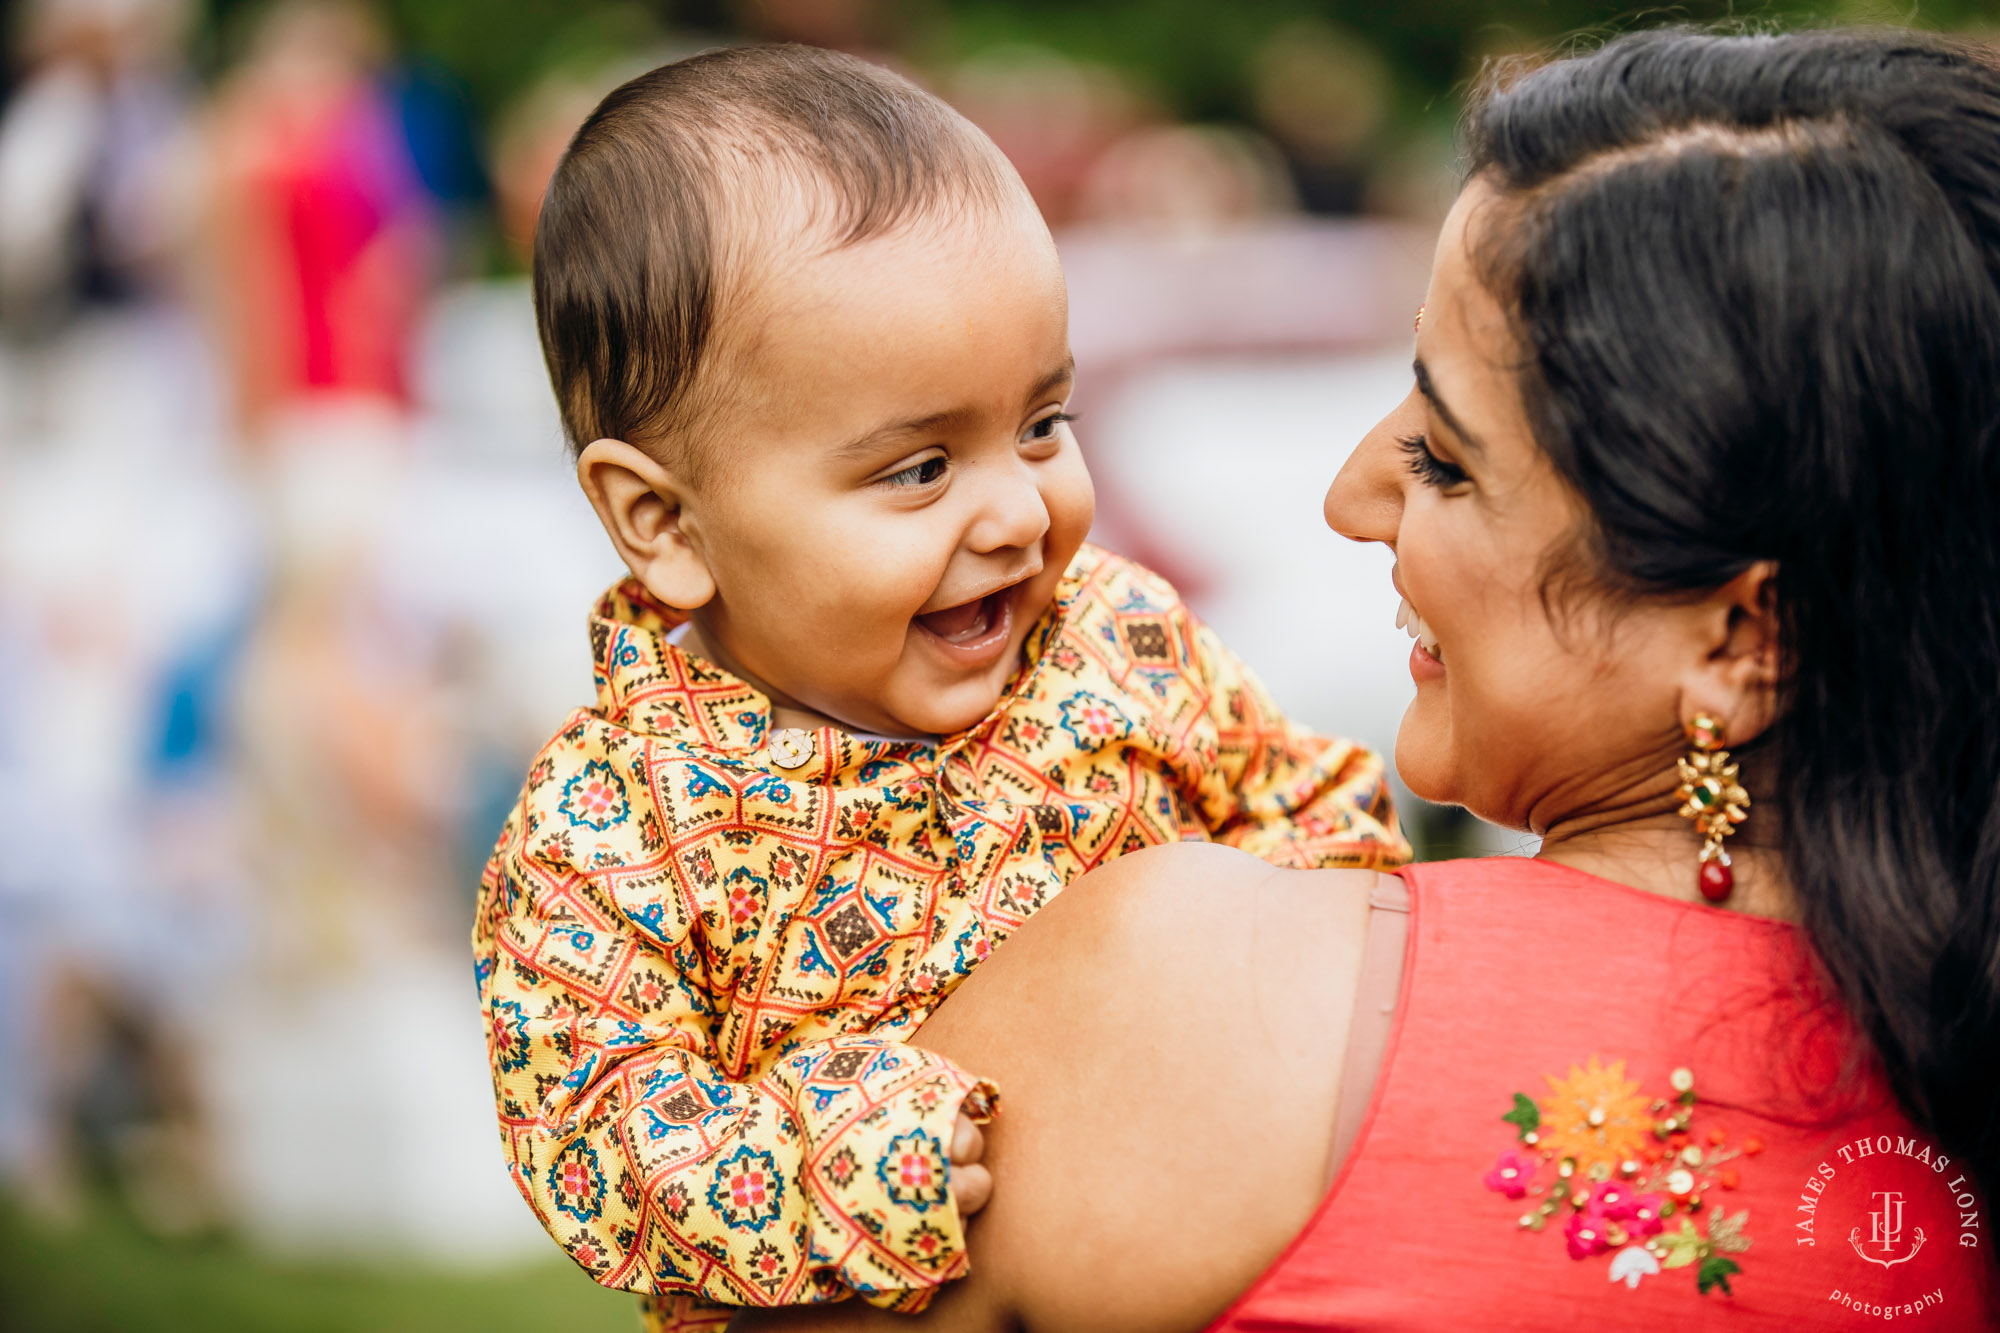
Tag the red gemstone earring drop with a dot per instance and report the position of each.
(1711, 796)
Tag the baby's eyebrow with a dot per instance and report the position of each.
(1065, 371)
(874, 437)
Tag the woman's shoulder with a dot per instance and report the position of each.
(1165, 1127)
(1168, 1037)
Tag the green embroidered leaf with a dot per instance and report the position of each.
(1682, 1247)
(1727, 1232)
(1525, 1114)
(1714, 1272)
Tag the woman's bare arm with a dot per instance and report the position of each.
(1168, 1037)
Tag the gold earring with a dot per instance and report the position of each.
(1417, 324)
(1711, 796)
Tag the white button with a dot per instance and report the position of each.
(790, 747)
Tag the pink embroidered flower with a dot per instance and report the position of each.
(1585, 1235)
(1511, 1174)
(1644, 1219)
(1613, 1199)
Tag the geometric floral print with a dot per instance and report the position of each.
(913, 1171)
(700, 965)
(595, 798)
(748, 1192)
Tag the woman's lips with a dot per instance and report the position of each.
(972, 634)
(1426, 657)
(1423, 666)
(1407, 619)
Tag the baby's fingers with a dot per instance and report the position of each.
(971, 1187)
(968, 1144)
(971, 1183)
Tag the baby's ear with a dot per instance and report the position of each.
(641, 504)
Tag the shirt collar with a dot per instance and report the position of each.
(647, 684)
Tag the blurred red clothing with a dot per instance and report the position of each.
(324, 236)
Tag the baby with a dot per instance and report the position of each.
(866, 702)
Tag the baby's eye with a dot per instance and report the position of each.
(1044, 428)
(930, 470)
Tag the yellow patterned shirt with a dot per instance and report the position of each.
(701, 947)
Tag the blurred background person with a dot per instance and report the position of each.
(88, 200)
(324, 240)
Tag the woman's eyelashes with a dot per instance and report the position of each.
(1428, 467)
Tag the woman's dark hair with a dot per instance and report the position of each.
(1756, 280)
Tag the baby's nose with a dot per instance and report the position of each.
(1013, 515)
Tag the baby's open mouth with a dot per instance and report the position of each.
(969, 624)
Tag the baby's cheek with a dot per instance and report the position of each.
(1072, 503)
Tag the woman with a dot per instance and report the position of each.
(1700, 469)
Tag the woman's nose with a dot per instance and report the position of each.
(1365, 501)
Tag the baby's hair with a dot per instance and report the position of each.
(643, 231)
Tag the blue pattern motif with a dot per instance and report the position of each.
(595, 798)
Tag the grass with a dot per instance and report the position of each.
(106, 1275)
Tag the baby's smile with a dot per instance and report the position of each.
(972, 634)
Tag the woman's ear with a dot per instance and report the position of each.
(644, 509)
(1738, 680)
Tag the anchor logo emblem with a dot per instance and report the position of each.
(1885, 1232)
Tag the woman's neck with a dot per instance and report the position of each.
(1659, 854)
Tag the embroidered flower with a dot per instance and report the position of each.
(1632, 1263)
(1511, 1174)
(1596, 1115)
(1645, 1218)
(1624, 1173)
(1616, 1201)
(1585, 1234)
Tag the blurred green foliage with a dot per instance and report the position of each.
(1195, 53)
(1191, 54)
(108, 1276)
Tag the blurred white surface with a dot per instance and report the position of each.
(1225, 465)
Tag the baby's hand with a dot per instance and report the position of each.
(971, 1183)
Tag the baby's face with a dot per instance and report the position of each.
(896, 491)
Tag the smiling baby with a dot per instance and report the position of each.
(866, 702)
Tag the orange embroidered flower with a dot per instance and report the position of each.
(1596, 1115)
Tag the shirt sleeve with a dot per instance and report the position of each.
(1280, 792)
(649, 1163)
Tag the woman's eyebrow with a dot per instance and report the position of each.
(1430, 393)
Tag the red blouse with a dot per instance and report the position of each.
(1604, 1109)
